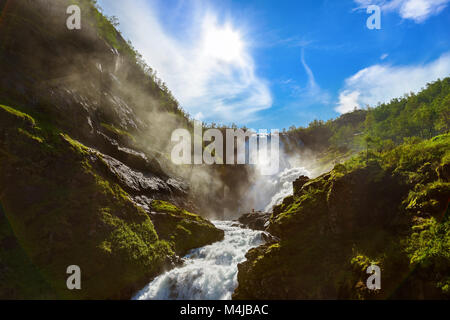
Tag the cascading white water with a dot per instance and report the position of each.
(268, 191)
(210, 272)
(281, 186)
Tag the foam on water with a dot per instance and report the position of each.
(280, 186)
(210, 272)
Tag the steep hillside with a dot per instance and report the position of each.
(388, 208)
(83, 129)
(324, 144)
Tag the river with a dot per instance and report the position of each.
(209, 272)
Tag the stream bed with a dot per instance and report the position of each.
(209, 272)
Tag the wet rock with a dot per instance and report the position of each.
(268, 238)
(298, 184)
(134, 180)
(184, 230)
(255, 220)
(443, 172)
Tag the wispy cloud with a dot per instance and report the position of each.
(381, 83)
(313, 93)
(209, 69)
(417, 10)
(307, 95)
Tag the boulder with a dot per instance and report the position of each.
(255, 220)
(298, 184)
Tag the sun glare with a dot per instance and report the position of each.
(224, 43)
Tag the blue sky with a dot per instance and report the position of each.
(273, 64)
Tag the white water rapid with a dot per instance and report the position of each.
(210, 272)
(280, 186)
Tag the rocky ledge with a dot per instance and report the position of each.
(390, 210)
(63, 204)
(257, 220)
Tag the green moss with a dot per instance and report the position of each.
(75, 214)
(18, 115)
(387, 210)
(361, 262)
(19, 277)
(429, 199)
(31, 136)
(118, 132)
(164, 206)
(72, 214)
(430, 240)
(428, 248)
(182, 229)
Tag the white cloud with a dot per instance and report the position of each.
(417, 10)
(348, 100)
(384, 56)
(313, 92)
(207, 65)
(381, 83)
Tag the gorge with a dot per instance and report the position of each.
(86, 179)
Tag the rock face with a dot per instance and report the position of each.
(298, 184)
(255, 220)
(184, 230)
(77, 185)
(66, 204)
(390, 211)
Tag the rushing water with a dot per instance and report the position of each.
(280, 186)
(210, 272)
(268, 191)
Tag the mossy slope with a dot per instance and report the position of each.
(60, 208)
(390, 209)
(180, 227)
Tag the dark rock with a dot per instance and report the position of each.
(298, 184)
(443, 172)
(183, 229)
(363, 208)
(255, 220)
(269, 239)
(132, 180)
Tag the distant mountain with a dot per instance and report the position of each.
(424, 115)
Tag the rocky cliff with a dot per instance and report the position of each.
(84, 176)
(388, 209)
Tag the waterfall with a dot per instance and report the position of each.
(210, 272)
(268, 191)
(280, 186)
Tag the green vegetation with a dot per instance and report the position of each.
(429, 249)
(118, 133)
(68, 214)
(106, 27)
(61, 208)
(21, 276)
(422, 115)
(13, 114)
(390, 208)
(384, 202)
(180, 227)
